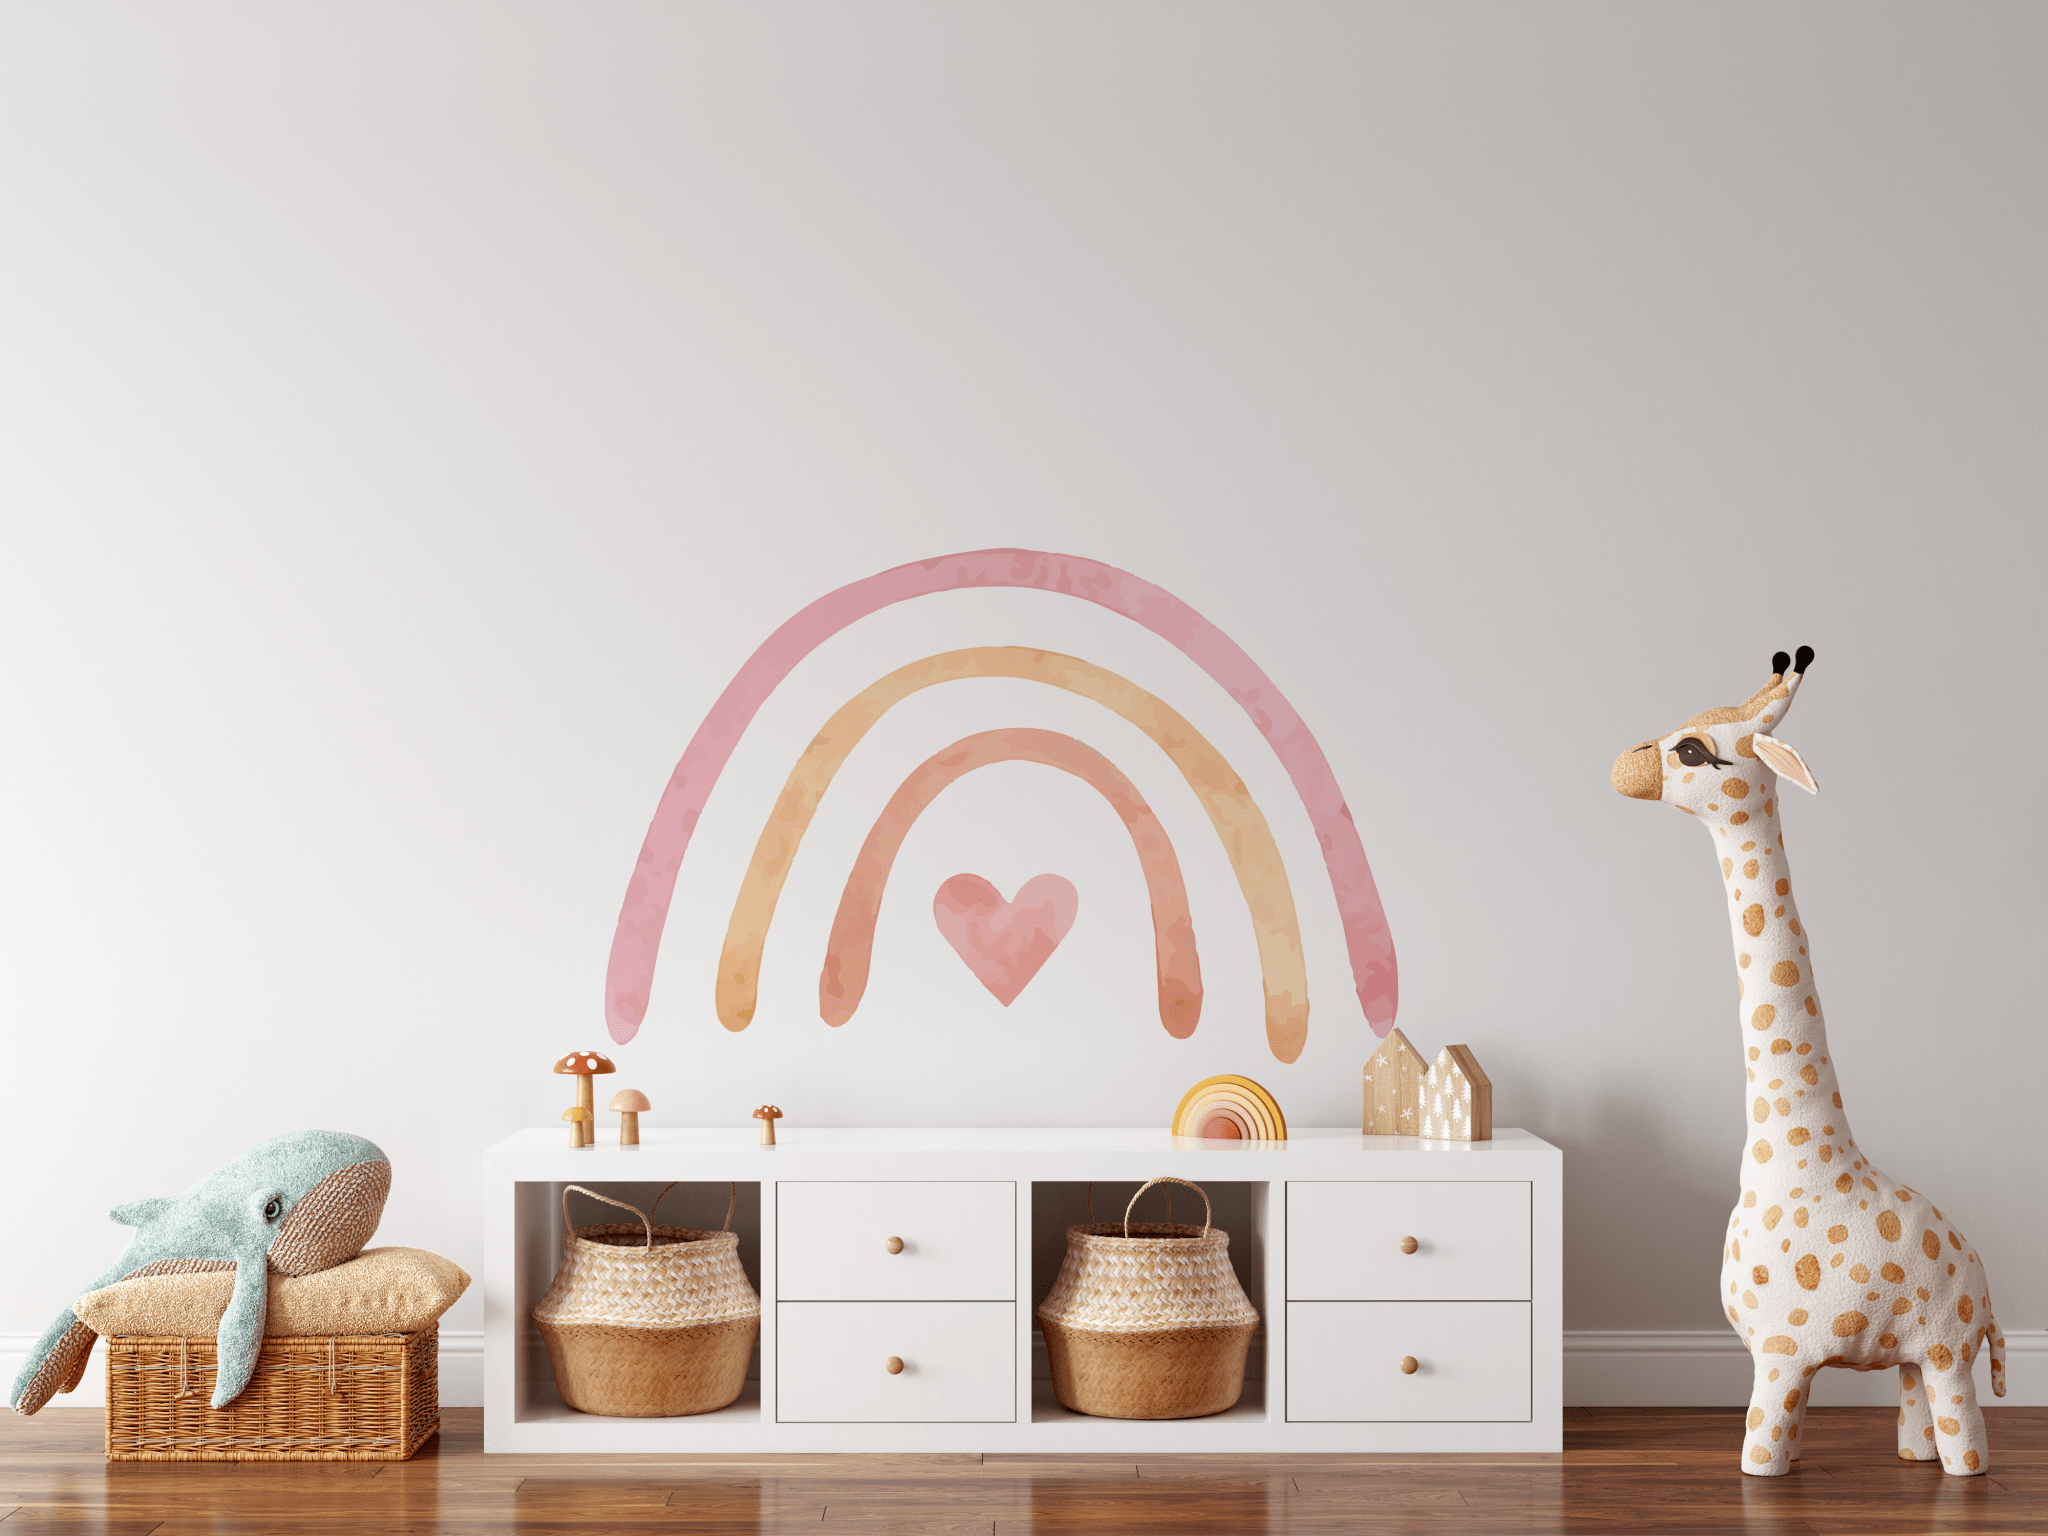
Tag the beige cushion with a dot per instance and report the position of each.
(381, 1290)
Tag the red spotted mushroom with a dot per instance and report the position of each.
(767, 1114)
(629, 1102)
(583, 1065)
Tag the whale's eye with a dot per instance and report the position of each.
(273, 1208)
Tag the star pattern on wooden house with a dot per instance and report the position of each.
(1450, 1100)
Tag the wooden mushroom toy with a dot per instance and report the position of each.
(584, 1065)
(629, 1102)
(579, 1125)
(767, 1114)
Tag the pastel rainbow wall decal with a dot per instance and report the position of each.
(850, 950)
(636, 945)
(1239, 823)
(1230, 1109)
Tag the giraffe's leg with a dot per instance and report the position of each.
(1767, 1447)
(1958, 1421)
(1916, 1418)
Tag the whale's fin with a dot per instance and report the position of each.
(240, 1339)
(56, 1364)
(136, 1212)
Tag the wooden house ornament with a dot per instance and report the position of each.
(1393, 1088)
(1451, 1100)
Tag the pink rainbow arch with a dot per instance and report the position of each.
(636, 945)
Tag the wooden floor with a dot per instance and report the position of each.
(1633, 1470)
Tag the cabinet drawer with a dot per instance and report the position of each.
(1344, 1241)
(959, 1242)
(1344, 1361)
(959, 1362)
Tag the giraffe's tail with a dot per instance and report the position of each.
(1997, 1359)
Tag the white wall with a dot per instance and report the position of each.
(411, 417)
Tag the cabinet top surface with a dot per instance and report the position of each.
(970, 1151)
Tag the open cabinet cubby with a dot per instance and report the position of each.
(898, 1271)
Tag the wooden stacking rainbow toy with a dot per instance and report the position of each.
(1230, 1109)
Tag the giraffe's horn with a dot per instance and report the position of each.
(1779, 662)
(1803, 660)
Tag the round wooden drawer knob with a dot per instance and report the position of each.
(1410, 1365)
(1409, 1245)
(894, 1365)
(894, 1245)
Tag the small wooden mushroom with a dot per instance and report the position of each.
(629, 1102)
(767, 1114)
(584, 1065)
(579, 1126)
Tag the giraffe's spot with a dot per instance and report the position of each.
(1888, 1226)
(1753, 920)
(1798, 1317)
(1868, 1183)
(1732, 1317)
(1799, 1135)
(1799, 1217)
(1807, 1272)
(1804, 1048)
(1749, 1199)
(1778, 1344)
(1948, 1426)
(1902, 1193)
(1752, 1057)
(1749, 869)
(1892, 1272)
(1784, 1106)
(1901, 1307)
(1848, 1325)
(1939, 1357)
(1688, 778)
(1794, 926)
(1920, 1291)
(1860, 1274)
(1749, 1299)
(1764, 1017)
(1727, 865)
(1761, 1111)
(1965, 1308)
(1738, 818)
(1784, 887)
(1785, 974)
(1672, 759)
(1838, 1097)
(1771, 1217)
(1780, 1047)
(1838, 1234)
(1762, 1150)
(1759, 1455)
(1747, 846)
(1756, 1419)
(1780, 912)
(1970, 1460)
(1890, 1341)
(1930, 1245)
(1954, 1241)
(1809, 1074)
(1761, 1276)
(1735, 789)
(1835, 1262)
(1745, 745)
(1844, 1184)
(1777, 1082)
(1812, 1012)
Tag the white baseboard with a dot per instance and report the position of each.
(1681, 1368)
(462, 1370)
(1709, 1368)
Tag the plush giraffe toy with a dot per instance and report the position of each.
(1828, 1261)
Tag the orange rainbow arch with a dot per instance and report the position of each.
(844, 978)
(1240, 825)
(1230, 1108)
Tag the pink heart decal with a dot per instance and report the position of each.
(1005, 942)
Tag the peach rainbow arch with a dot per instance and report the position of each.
(1239, 823)
(636, 943)
(844, 977)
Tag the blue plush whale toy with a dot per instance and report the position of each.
(296, 1204)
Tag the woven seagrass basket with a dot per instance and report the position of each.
(1147, 1320)
(368, 1398)
(648, 1322)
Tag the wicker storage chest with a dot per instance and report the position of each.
(368, 1398)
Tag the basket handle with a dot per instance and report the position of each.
(1169, 1202)
(731, 1200)
(608, 1200)
(1164, 1179)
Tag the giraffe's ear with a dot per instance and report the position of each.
(1787, 763)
